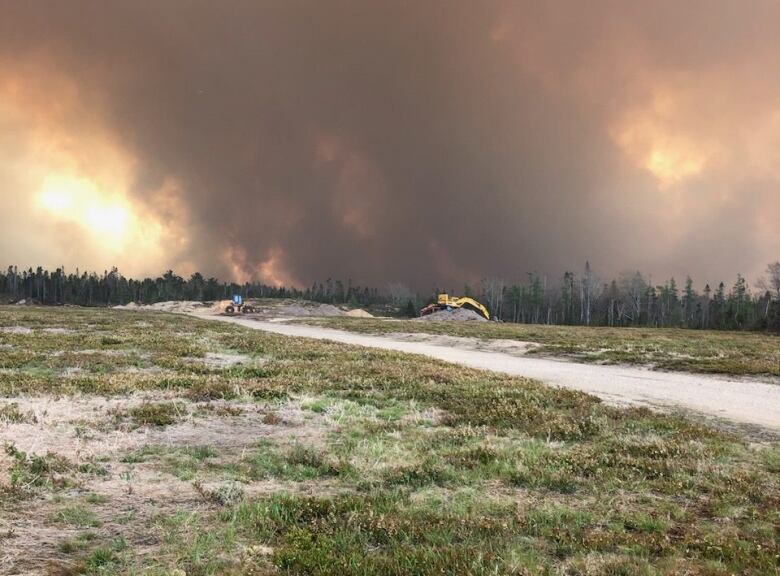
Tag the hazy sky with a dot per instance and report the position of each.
(425, 142)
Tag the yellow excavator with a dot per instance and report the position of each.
(447, 302)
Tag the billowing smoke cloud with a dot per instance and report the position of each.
(430, 143)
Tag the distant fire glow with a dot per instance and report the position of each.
(80, 202)
(653, 138)
(671, 166)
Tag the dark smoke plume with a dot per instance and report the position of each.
(430, 143)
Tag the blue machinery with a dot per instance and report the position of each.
(237, 305)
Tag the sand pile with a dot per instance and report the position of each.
(359, 313)
(266, 308)
(455, 315)
(307, 309)
(263, 308)
(219, 306)
(179, 307)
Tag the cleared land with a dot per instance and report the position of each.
(148, 443)
(709, 351)
(730, 400)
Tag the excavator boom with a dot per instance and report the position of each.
(474, 304)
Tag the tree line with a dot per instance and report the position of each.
(631, 299)
(112, 288)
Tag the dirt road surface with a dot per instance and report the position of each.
(741, 401)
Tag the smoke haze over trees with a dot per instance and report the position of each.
(628, 300)
(392, 141)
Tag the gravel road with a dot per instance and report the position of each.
(742, 401)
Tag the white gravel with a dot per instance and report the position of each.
(454, 315)
(741, 401)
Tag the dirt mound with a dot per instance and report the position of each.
(262, 307)
(268, 308)
(219, 306)
(308, 309)
(359, 313)
(180, 307)
(455, 315)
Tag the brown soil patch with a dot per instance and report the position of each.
(82, 429)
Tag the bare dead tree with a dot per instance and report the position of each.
(771, 282)
(591, 290)
(493, 291)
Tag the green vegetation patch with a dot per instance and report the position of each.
(296, 462)
(77, 515)
(712, 351)
(32, 470)
(465, 532)
(368, 462)
(155, 413)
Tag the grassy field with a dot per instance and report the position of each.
(663, 348)
(142, 443)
